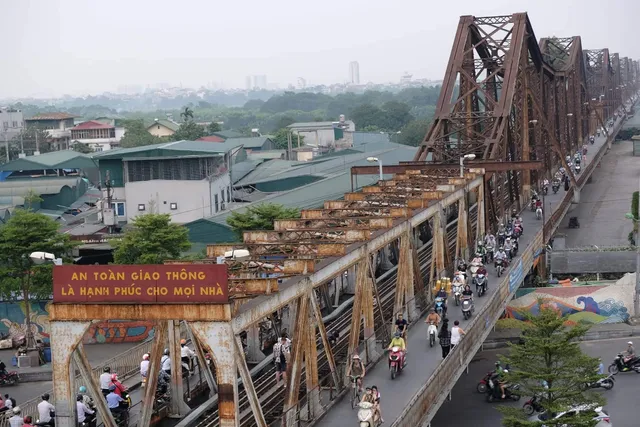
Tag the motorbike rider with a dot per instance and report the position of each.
(434, 317)
(397, 341)
(402, 325)
(508, 247)
(105, 380)
(481, 251)
(82, 409)
(44, 411)
(631, 352)
(85, 397)
(356, 369)
(467, 293)
(144, 368)
(28, 421)
(545, 183)
(114, 401)
(186, 354)
(462, 265)
(376, 402)
(442, 293)
(16, 420)
(490, 240)
(121, 390)
(165, 362)
(369, 397)
(163, 382)
(501, 256)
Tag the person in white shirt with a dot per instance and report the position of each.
(105, 380)
(16, 420)
(144, 368)
(186, 354)
(82, 409)
(44, 410)
(166, 361)
(456, 334)
(8, 403)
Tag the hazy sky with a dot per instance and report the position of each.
(52, 47)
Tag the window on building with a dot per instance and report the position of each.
(97, 148)
(158, 126)
(14, 124)
(141, 207)
(118, 208)
(222, 195)
(228, 196)
(5, 125)
(215, 198)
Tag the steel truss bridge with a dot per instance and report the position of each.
(520, 105)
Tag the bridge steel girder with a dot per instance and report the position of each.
(368, 223)
(507, 98)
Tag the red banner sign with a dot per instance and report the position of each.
(141, 284)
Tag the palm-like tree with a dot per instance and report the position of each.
(187, 114)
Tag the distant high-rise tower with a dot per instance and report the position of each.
(260, 82)
(354, 72)
(302, 83)
(247, 83)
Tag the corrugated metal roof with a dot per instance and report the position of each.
(252, 142)
(92, 124)
(241, 169)
(360, 138)
(65, 159)
(269, 169)
(51, 116)
(168, 149)
(226, 134)
(267, 154)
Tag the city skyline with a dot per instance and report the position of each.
(79, 60)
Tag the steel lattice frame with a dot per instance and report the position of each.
(506, 97)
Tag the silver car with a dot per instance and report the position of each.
(598, 414)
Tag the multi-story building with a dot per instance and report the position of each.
(324, 135)
(187, 179)
(11, 123)
(57, 125)
(98, 136)
(354, 72)
(162, 128)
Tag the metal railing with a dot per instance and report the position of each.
(126, 365)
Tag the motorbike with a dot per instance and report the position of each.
(439, 302)
(482, 385)
(9, 378)
(475, 265)
(457, 291)
(605, 383)
(489, 254)
(545, 190)
(481, 284)
(538, 213)
(555, 187)
(433, 332)
(517, 232)
(467, 307)
(494, 392)
(618, 365)
(533, 204)
(501, 237)
(366, 415)
(514, 248)
(532, 405)
(500, 266)
(577, 169)
(52, 414)
(396, 361)
(91, 420)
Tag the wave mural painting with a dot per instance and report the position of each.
(580, 304)
(12, 323)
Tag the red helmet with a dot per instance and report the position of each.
(114, 377)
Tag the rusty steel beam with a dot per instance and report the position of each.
(414, 202)
(346, 204)
(315, 249)
(374, 211)
(315, 235)
(367, 223)
(245, 287)
(489, 166)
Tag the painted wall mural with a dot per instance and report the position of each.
(581, 304)
(12, 323)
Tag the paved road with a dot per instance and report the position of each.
(621, 400)
(605, 200)
(422, 360)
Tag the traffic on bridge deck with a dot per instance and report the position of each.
(358, 312)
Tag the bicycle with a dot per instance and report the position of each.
(355, 396)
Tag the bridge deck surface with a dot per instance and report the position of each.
(423, 360)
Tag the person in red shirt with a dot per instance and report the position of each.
(120, 388)
(28, 421)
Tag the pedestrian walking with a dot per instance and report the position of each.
(445, 338)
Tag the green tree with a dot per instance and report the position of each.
(152, 239)
(213, 127)
(82, 148)
(260, 217)
(414, 132)
(187, 114)
(395, 115)
(189, 131)
(24, 233)
(367, 115)
(551, 352)
(136, 135)
(280, 139)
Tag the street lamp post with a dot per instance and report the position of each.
(376, 160)
(462, 159)
(37, 258)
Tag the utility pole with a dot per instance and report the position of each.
(109, 193)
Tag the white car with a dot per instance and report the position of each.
(598, 414)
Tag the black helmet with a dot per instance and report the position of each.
(106, 369)
(79, 398)
(45, 396)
